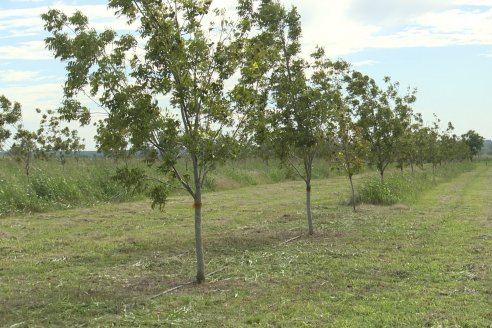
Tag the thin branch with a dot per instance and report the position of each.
(289, 240)
(296, 169)
(185, 284)
(173, 289)
(182, 181)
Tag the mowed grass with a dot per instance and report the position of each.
(424, 264)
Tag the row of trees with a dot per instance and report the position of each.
(180, 87)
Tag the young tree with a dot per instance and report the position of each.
(419, 140)
(275, 89)
(11, 113)
(448, 142)
(462, 151)
(24, 142)
(434, 150)
(184, 61)
(351, 149)
(57, 140)
(25, 147)
(474, 142)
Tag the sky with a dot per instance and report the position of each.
(443, 48)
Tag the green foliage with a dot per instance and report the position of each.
(383, 114)
(57, 140)
(474, 142)
(18, 198)
(254, 171)
(10, 114)
(54, 190)
(281, 101)
(158, 193)
(132, 179)
(287, 115)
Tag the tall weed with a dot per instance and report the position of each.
(399, 187)
(80, 183)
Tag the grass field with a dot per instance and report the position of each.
(422, 264)
(88, 181)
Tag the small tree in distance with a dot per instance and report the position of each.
(57, 140)
(353, 149)
(25, 143)
(331, 80)
(10, 114)
(474, 142)
(25, 147)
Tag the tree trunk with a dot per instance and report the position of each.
(353, 192)
(411, 165)
(308, 207)
(381, 173)
(200, 261)
(27, 168)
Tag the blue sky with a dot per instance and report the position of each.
(441, 47)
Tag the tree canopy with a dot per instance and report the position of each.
(474, 142)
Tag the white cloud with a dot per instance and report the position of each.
(368, 62)
(32, 50)
(473, 2)
(390, 12)
(328, 24)
(44, 96)
(418, 23)
(13, 27)
(441, 29)
(15, 22)
(340, 26)
(26, 1)
(15, 75)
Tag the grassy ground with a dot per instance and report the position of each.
(424, 264)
